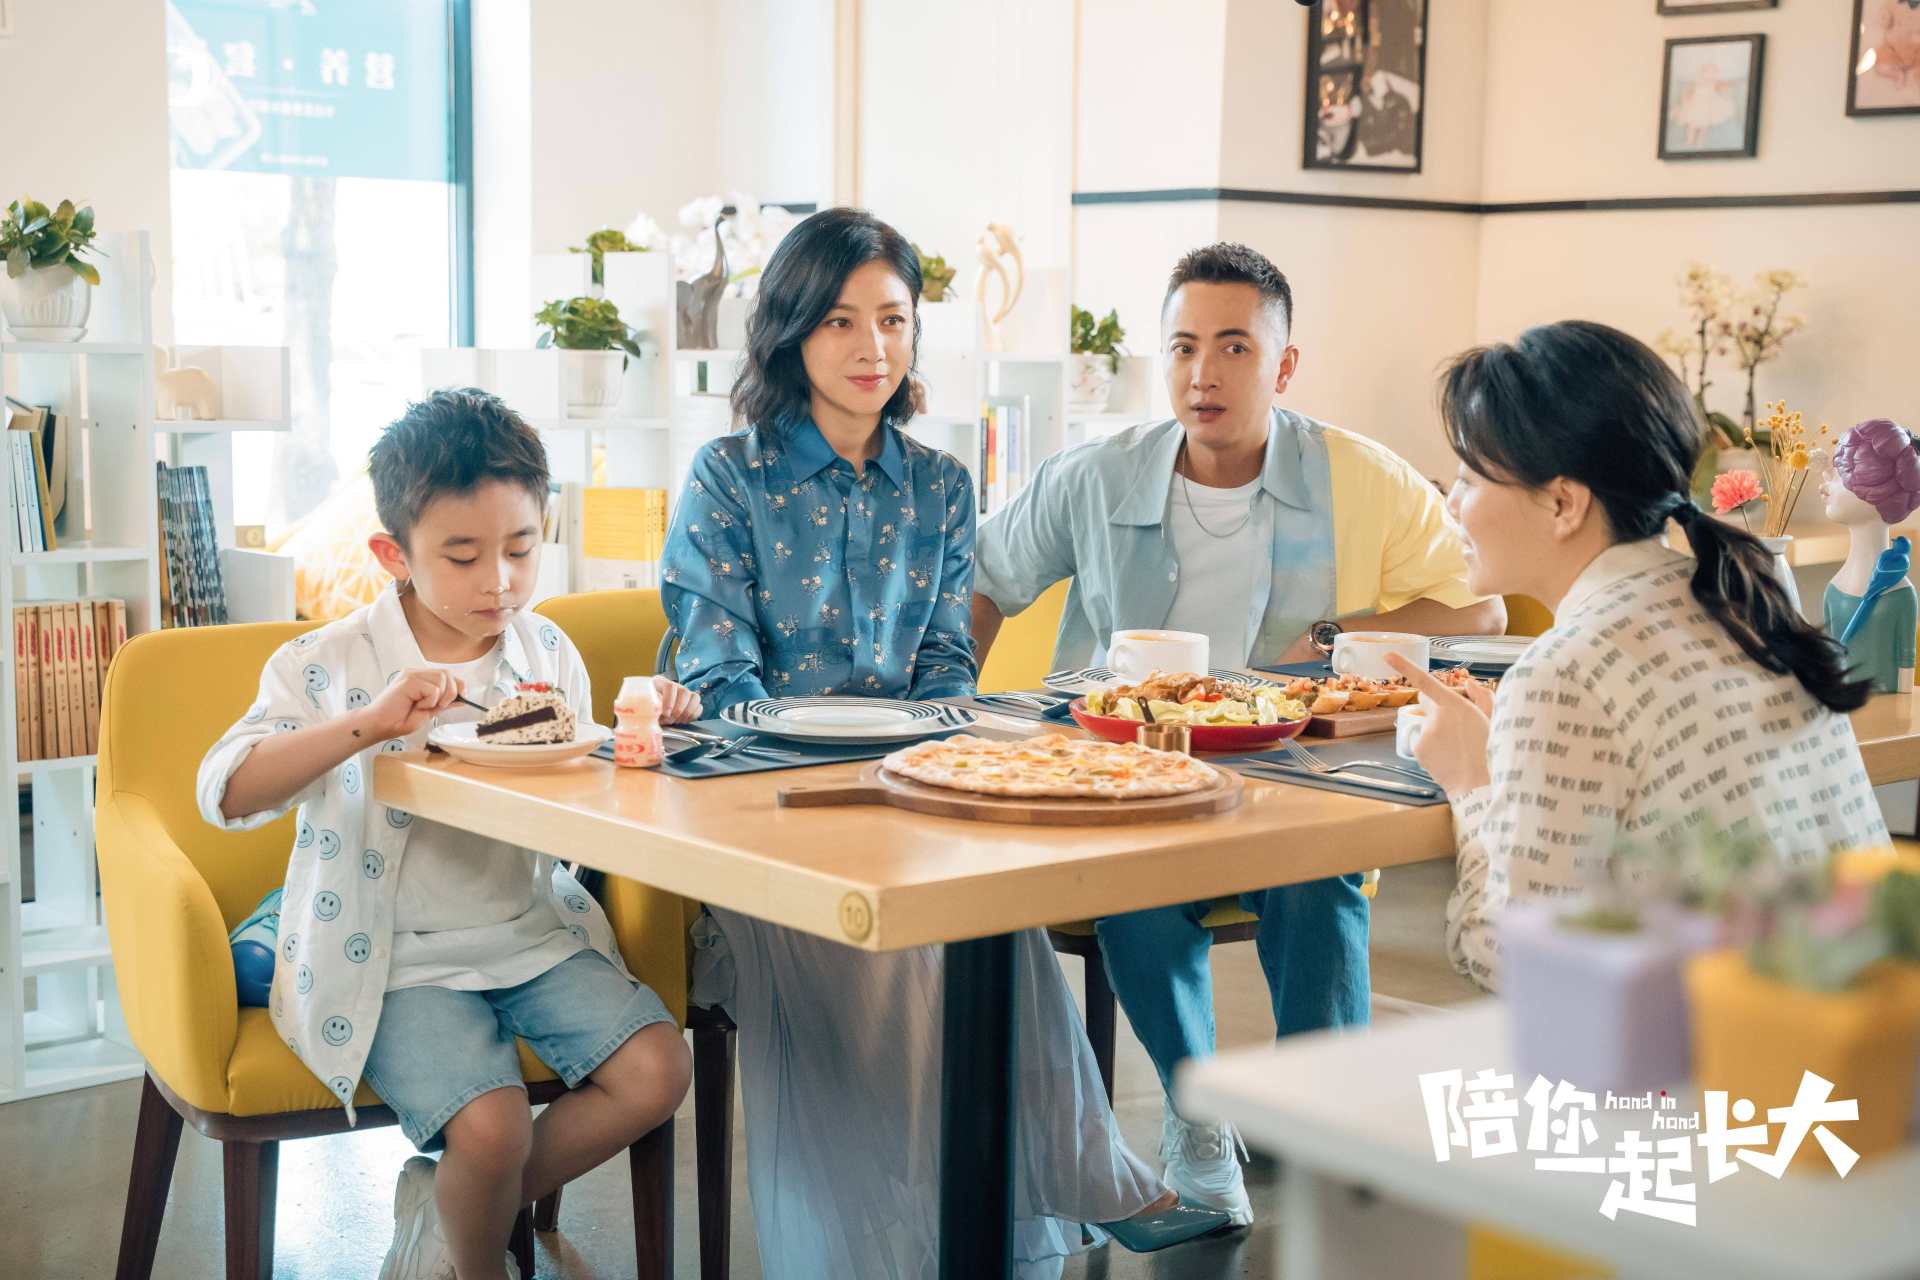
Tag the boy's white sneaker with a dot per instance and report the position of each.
(1203, 1165)
(417, 1252)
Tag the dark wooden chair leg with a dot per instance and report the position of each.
(252, 1175)
(713, 1058)
(546, 1213)
(520, 1243)
(1102, 1009)
(651, 1161)
(156, 1141)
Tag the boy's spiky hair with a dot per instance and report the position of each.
(449, 443)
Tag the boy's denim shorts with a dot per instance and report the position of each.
(436, 1049)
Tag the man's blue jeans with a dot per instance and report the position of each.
(1313, 947)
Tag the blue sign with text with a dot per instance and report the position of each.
(324, 88)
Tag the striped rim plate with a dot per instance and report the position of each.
(1087, 679)
(847, 719)
(1481, 651)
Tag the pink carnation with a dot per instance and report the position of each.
(1734, 490)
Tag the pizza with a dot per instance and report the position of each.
(1051, 765)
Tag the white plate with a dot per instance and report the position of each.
(1482, 651)
(462, 742)
(1088, 679)
(847, 719)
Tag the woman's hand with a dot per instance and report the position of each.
(678, 704)
(1453, 746)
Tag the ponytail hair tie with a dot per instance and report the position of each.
(1679, 507)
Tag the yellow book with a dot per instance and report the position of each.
(89, 676)
(622, 533)
(49, 706)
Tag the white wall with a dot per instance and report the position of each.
(1856, 357)
(647, 104)
(966, 117)
(110, 148)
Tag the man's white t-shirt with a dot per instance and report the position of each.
(468, 914)
(1216, 572)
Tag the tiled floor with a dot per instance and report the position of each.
(65, 1158)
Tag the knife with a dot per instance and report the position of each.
(1371, 784)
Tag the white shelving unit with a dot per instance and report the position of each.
(56, 945)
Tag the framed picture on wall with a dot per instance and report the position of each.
(1710, 97)
(1713, 6)
(1366, 85)
(1883, 76)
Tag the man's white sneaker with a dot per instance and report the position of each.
(417, 1252)
(1203, 1165)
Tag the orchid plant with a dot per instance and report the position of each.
(750, 233)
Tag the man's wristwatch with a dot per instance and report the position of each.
(1320, 635)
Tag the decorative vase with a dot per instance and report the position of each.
(1603, 1011)
(592, 381)
(46, 304)
(1754, 1037)
(1782, 569)
(1092, 385)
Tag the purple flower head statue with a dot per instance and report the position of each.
(1877, 463)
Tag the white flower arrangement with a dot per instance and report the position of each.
(750, 234)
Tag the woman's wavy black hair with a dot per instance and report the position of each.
(801, 283)
(1592, 404)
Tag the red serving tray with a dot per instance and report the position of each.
(1206, 737)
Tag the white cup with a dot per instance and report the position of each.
(1135, 655)
(1364, 653)
(1407, 728)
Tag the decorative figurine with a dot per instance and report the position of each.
(184, 393)
(1871, 607)
(699, 301)
(997, 245)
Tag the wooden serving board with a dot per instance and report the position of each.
(1352, 724)
(879, 786)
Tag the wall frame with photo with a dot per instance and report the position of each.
(1712, 6)
(1883, 61)
(1366, 85)
(1710, 97)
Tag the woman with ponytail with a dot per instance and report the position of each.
(1674, 694)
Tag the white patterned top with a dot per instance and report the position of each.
(1638, 718)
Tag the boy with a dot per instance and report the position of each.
(417, 957)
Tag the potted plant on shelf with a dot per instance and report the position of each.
(595, 343)
(46, 294)
(1832, 986)
(1096, 358)
(936, 277)
(604, 241)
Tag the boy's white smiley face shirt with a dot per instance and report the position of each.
(336, 917)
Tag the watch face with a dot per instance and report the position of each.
(1321, 634)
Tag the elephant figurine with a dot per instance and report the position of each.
(699, 301)
(184, 393)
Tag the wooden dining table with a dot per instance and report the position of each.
(882, 879)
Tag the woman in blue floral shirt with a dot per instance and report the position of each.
(821, 550)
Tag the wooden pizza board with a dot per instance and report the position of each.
(1351, 724)
(877, 785)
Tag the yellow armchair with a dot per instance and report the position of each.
(172, 887)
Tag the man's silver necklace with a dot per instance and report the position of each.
(1187, 493)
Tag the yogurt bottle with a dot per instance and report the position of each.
(636, 730)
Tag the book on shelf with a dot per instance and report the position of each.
(37, 494)
(192, 593)
(62, 651)
(1003, 450)
(622, 532)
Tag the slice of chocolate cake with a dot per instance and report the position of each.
(536, 713)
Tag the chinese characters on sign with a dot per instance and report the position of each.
(1655, 1173)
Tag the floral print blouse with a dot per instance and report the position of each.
(787, 574)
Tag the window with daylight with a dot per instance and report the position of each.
(319, 204)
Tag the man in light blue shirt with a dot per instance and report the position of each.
(1250, 524)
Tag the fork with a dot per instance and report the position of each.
(1314, 764)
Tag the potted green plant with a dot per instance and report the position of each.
(1096, 358)
(595, 344)
(1830, 984)
(46, 294)
(936, 277)
(604, 241)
